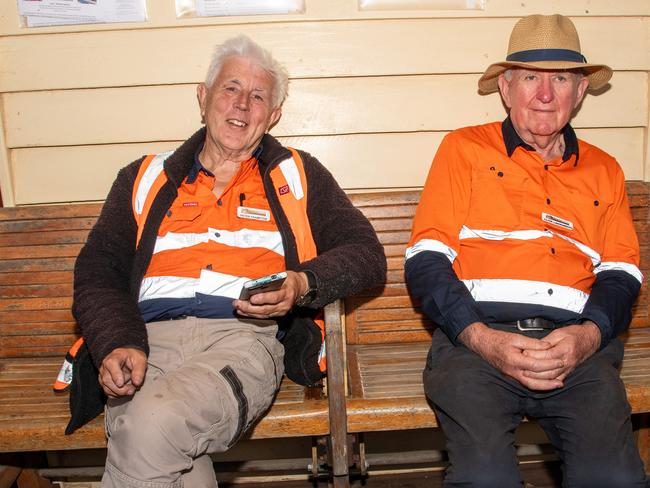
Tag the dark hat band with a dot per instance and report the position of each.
(534, 55)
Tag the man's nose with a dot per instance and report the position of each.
(545, 90)
(242, 101)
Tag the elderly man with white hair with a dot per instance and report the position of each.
(187, 363)
(524, 252)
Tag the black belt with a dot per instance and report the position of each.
(535, 323)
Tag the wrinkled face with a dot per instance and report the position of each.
(238, 107)
(541, 102)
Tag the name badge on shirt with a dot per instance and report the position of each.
(253, 213)
(552, 219)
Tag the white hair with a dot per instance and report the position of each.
(244, 47)
(579, 74)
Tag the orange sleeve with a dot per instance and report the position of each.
(445, 199)
(621, 242)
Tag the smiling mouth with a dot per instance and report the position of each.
(237, 123)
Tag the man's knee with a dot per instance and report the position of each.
(151, 434)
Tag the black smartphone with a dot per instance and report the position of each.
(271, 282)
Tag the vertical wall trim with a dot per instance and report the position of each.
(646, 133)
(6, 176)
(646, 165)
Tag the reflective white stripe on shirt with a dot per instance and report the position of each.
(208, 283)
(167, 287)
(531, 292)
(627, 267)
(148, 178)
(526, 235)
(499, 235)
(593, 255)
(244, 238)
(431, 245)
(292, 175)
(220, 284)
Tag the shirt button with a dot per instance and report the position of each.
(217, 234)
(219, 202)
(552, 250)
(550, 291)
(546, 167)
(209, 267)
(596, 203)
(169, 213)
(500, 174)
(548, 201)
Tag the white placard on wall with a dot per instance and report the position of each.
(41, 13)
(212, 8)
(421, 4)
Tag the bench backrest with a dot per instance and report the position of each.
(388, 315)
(38, 248)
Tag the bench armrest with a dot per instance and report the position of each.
(336, 387)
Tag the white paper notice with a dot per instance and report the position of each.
(422, 4)
(208, 8)
(60, 12)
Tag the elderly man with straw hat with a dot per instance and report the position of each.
(524, 252)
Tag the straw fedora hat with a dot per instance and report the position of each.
(545, 42)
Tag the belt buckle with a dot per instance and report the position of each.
(524, 328)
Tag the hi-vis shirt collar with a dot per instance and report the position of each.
(197, 166)
(512, 140)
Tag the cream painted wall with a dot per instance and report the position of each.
(371, 94)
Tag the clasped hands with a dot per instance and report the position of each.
(538, 364)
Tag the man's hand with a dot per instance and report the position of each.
(274, 303)
(122, 371)
(509, 353)
(571, 344)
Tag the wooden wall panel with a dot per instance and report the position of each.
(359, 161)
(86, 172)
(309, 50)
(162, 14)
(314, 107)
(372, 92)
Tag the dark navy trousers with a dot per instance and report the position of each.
(479, 408)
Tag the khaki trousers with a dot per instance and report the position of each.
(207, 381)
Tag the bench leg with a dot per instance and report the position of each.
(643, 440)
(29, 478)
(8, 474)
(341, 482)
(338, 439)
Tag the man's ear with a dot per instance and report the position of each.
(201, 95)
(275, 116)
(504, 89)
(583, 84)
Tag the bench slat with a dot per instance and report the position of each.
(43, 238)
(50, 211)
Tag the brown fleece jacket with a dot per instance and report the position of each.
(109, 269)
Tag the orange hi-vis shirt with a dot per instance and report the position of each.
(520, 230)
(207, 247)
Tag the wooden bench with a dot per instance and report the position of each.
(38, 248)
(388, 337)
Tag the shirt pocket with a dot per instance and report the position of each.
(588, 214)
(180, 218)
(497, 199)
